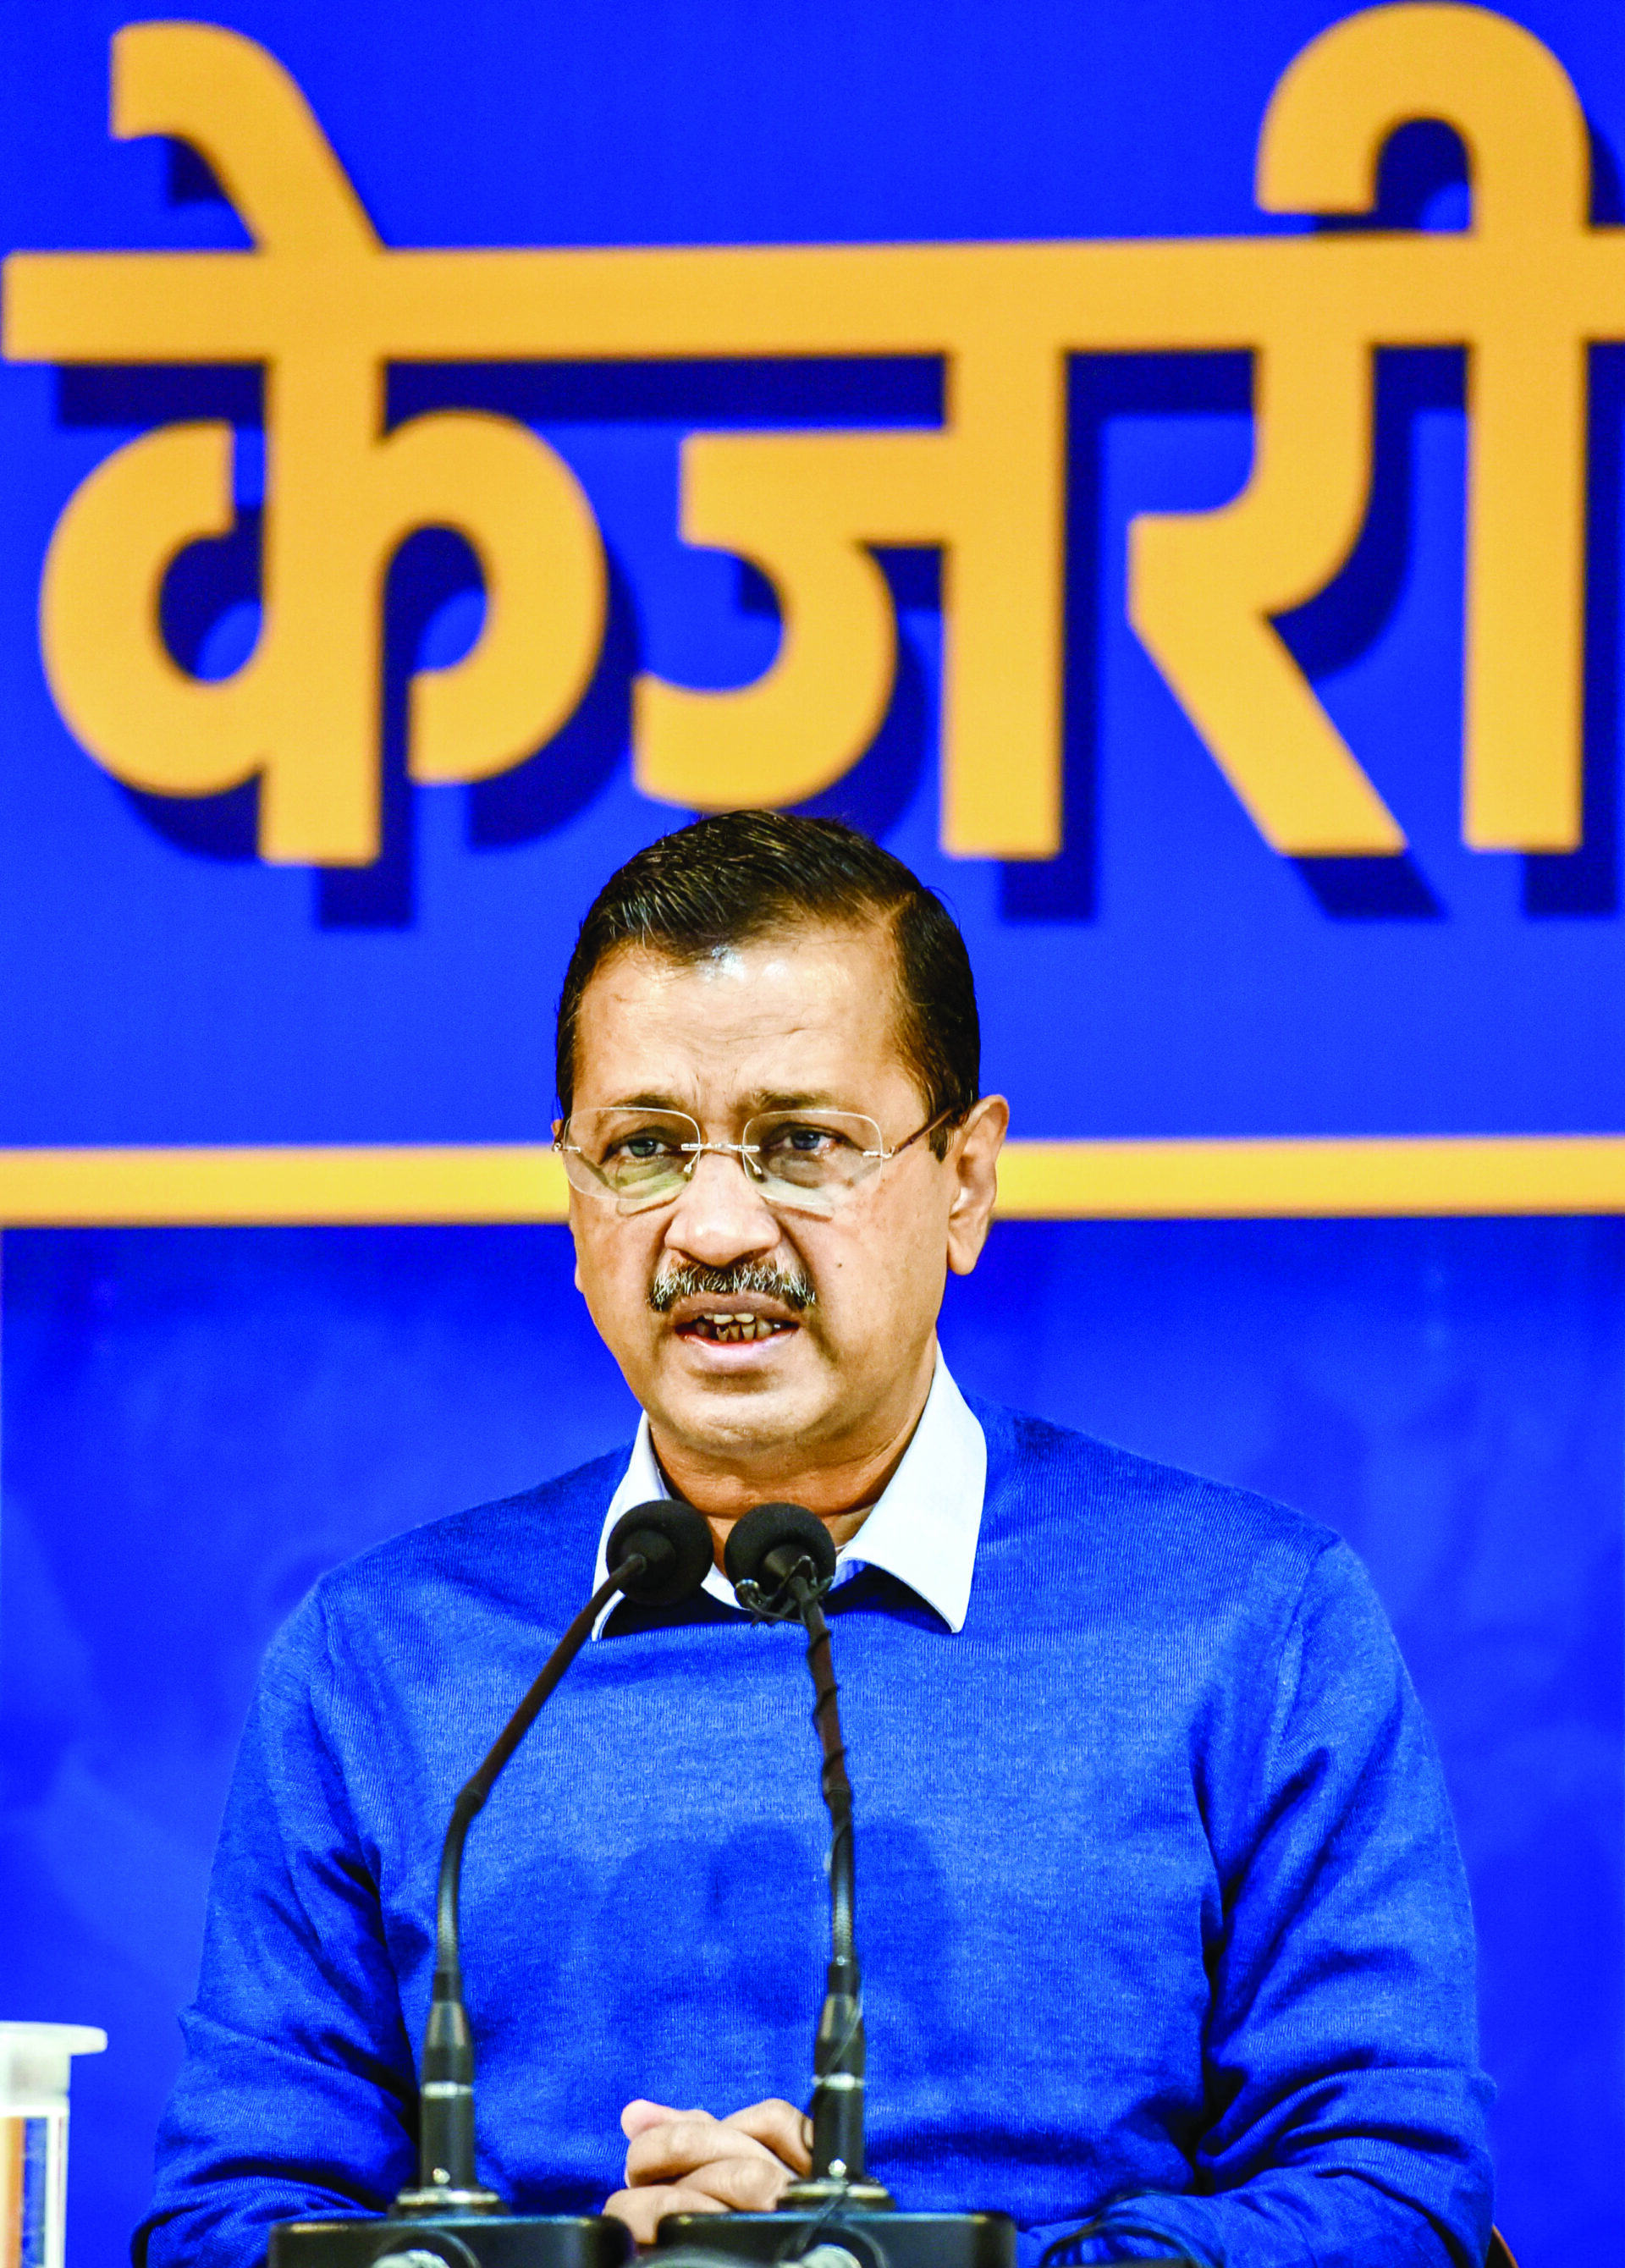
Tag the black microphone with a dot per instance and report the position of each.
(659, 1554)
(780, 1560)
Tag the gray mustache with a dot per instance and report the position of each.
(689, 1281)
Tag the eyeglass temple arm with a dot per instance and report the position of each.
(909, 1139)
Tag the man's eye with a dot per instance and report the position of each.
(642, 1147)
(803, 1141)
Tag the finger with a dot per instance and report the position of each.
(786, 2130)
(671, 2151)
(742, 2184)
(640, 2114)
(642, 2211)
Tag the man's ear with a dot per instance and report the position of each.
(575, 1242)
(973, 1160)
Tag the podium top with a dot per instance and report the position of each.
(35, 2059)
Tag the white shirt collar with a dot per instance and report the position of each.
(923, 1530)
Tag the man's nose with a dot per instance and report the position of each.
(720, 1215)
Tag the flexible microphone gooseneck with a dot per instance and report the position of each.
(659, 1555)
(780, 1560)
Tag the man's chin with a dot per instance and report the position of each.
(721, 1408)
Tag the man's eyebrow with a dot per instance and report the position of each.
(757, 1099)
(768, 1098)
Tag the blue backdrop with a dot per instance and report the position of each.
(195, 1422)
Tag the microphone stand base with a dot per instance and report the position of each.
(453, 2240)
(818, 2192)
(883, 2239)
(444, 2205)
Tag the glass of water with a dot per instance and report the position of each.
(34, 2062)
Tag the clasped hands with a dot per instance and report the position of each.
(688, 2161)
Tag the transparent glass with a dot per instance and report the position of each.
(808, 1160)
(34, 2062)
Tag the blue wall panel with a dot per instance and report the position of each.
(158, 983)
(196, 1422)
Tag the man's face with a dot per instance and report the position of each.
(842, 1345)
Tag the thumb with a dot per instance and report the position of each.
(639, 2115)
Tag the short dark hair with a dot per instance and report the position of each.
(743, 873)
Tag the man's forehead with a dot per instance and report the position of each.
(808, 987)
(810, 964)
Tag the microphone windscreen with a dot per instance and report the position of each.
(768, 1527)
(675, 1543)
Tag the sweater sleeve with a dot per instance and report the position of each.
(1346, 2105)
(297, 2091)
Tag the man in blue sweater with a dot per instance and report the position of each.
(1164, 1930)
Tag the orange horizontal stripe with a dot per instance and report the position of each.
(1260, 1179)
(1329, 1177)
(334, 1183)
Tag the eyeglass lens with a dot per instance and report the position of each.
(643, 1157)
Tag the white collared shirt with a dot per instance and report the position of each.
(923, 1530)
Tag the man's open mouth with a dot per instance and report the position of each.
(742, 1305)
(727, 1329)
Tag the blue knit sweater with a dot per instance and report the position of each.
(1157, 1886)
